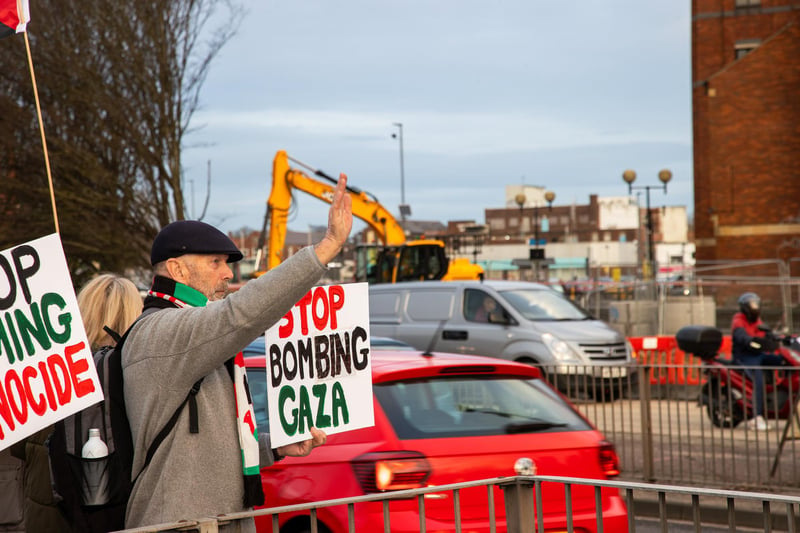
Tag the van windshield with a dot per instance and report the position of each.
(539, 304)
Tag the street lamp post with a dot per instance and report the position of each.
(404, 209)
(536, 254)
(629, 176)
(520, 200)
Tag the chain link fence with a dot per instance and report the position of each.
(706, 294)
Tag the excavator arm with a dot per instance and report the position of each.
(285, 179)
(395, 260)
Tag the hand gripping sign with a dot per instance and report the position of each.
(46, 367)
(318, 365)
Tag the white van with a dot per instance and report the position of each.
(514, 320)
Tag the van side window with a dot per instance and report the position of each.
(431, 305)
(478, 306)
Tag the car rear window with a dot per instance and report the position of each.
(474, 406)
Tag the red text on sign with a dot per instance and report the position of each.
(321, 304)
(47, 385)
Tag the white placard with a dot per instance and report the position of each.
(319, 369)
(45, 359)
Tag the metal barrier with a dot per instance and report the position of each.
(776, 281)
(663, 432)
(522, 495)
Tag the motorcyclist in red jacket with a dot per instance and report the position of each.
(751, 347)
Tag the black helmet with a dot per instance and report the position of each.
(750, 305)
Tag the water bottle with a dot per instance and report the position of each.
(95, 469)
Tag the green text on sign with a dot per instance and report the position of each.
(296, 414)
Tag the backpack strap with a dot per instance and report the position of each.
(102, 366)
(113, 334)
(193, 423)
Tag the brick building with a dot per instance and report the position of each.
(559, 223)
(746, 106)
(583, 240)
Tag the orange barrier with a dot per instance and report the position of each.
(669, 365)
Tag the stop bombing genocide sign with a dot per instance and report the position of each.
(45, 360)
(319, 370)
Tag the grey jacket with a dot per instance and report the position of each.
(197, 475)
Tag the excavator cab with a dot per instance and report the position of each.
(413, 261)
(420, 261)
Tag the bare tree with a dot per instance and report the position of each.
(119, 82)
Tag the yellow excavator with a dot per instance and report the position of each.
(394, 259)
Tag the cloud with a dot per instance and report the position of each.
(435, 133)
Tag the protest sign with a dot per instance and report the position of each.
(319, 365)
(45, 358)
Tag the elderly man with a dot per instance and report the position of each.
(187, 338)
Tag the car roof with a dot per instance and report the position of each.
(390, 365)
(388, 343)
(258, 345)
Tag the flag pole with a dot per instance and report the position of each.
(41, 130)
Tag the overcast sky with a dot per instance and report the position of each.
(563, 94)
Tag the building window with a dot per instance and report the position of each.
(544, 224)
(745, 46)
(748, 3)
(497, 223)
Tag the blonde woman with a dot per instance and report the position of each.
(109, 301)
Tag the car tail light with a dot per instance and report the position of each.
(383, 471)
(609, 461)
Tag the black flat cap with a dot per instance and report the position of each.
(191, 237)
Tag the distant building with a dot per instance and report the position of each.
(605, 238)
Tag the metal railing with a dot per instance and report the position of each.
(776, 281)
(664, 433)
(522, 498)
(676, 463)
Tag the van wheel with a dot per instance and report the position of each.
(533, 362)
(526, 361)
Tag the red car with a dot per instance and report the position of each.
(440, 419)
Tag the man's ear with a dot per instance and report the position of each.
(176, 269)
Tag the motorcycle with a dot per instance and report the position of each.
(728, 389)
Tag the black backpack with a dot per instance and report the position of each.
(110, 417)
